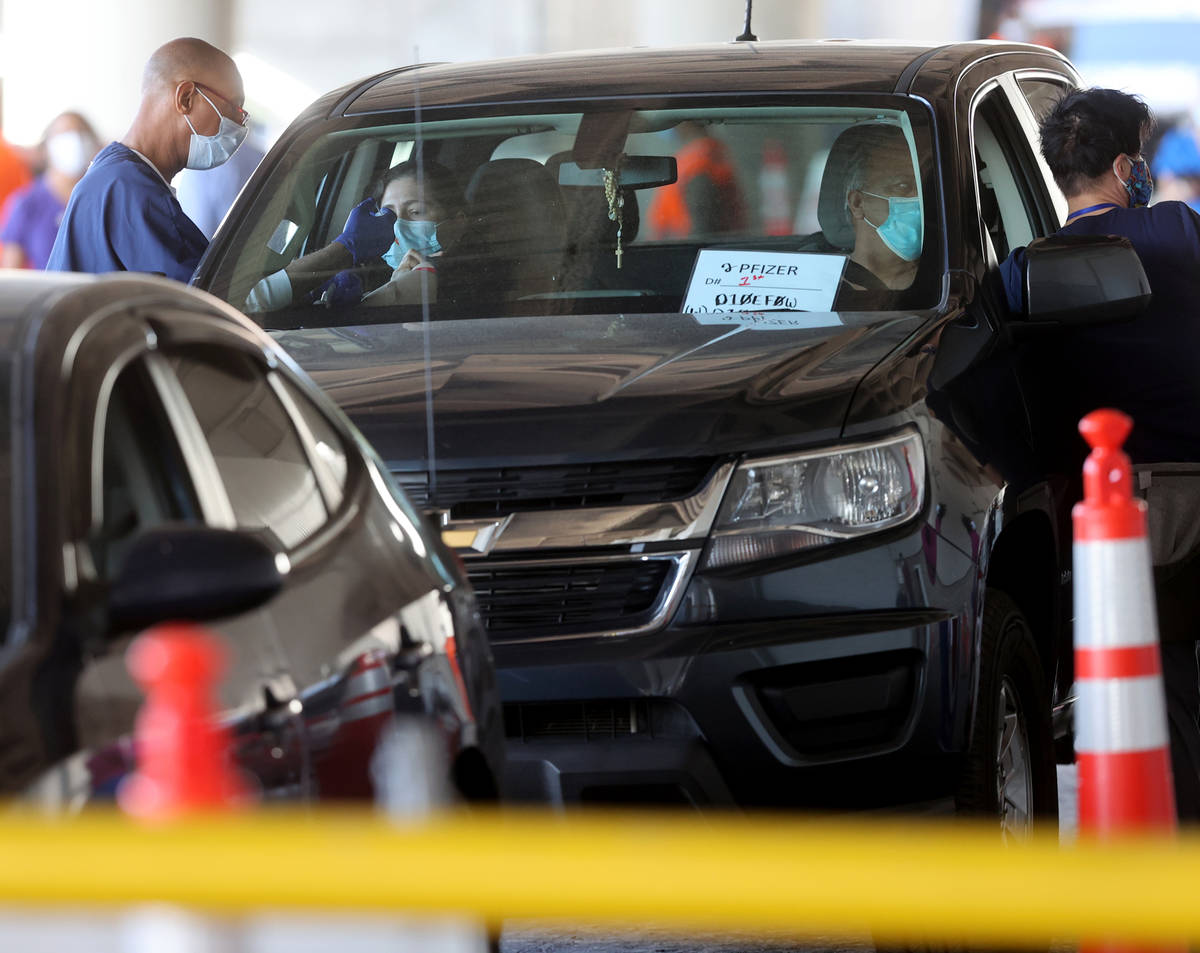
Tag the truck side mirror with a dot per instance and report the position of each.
(184, 571)
(1084, 279)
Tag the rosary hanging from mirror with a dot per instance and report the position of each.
(616, 203)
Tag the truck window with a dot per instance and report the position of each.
(605, 207)
(1005, 205)
(1041, 94)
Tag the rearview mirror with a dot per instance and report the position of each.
(192, 572)
(637, 172)
(1084, 279)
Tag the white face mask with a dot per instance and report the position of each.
(70, 152)
(208, 152)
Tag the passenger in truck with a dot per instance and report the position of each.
(427, 203)
(406, 221)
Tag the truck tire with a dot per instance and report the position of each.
(1010, 770)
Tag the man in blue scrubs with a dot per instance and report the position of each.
(1149, 367)
(123, 214)
(1092, 139)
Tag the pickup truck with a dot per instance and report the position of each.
(749, 520)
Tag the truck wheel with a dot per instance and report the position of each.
(1010, 771)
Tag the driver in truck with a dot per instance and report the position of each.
(884, 210)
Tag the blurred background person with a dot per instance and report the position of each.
(32, 214)
(1177, 163)
(705, 199)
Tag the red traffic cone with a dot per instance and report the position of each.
(1121, 741)
(1120, 714)
(182, 750)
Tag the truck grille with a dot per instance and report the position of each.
(478, 494)
(522, 601)
(578, 720)
(598, 720)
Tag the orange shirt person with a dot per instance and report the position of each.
(14, 173)
(705, 199)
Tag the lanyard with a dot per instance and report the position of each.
(1091, 208)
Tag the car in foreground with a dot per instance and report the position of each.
(163, 459)
(746, 523)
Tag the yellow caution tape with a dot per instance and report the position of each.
(897, 880)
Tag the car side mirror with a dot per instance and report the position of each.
(1084, 279)
(191, 572)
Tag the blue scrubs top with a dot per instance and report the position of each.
(122, 216)
(1148, 367)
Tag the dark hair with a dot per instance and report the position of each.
(867, 140)
(440, 183)
(1087, 129)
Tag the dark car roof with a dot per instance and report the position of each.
(21, 289)
(37, 296)
(817, 65)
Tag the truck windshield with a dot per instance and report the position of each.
(690, 206)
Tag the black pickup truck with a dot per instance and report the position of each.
(747, 520)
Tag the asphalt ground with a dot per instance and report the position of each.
(529, 938)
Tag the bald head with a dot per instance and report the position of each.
(188, 58)
(189, 88)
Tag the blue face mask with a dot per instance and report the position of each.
(1139, 185)
(420, 236)
(903, 229)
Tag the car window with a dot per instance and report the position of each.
(608, 208)
(145, 480)
(257, 451)
(1042, 93)
(1004, 205)
(328, 448)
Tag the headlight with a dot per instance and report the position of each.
(780, 505)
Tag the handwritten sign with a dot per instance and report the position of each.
(728, 282)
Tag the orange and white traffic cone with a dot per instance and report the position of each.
(183, 752)
(1121, 740)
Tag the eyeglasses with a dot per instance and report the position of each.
(239, 114)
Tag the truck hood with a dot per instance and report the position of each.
(560, 389)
